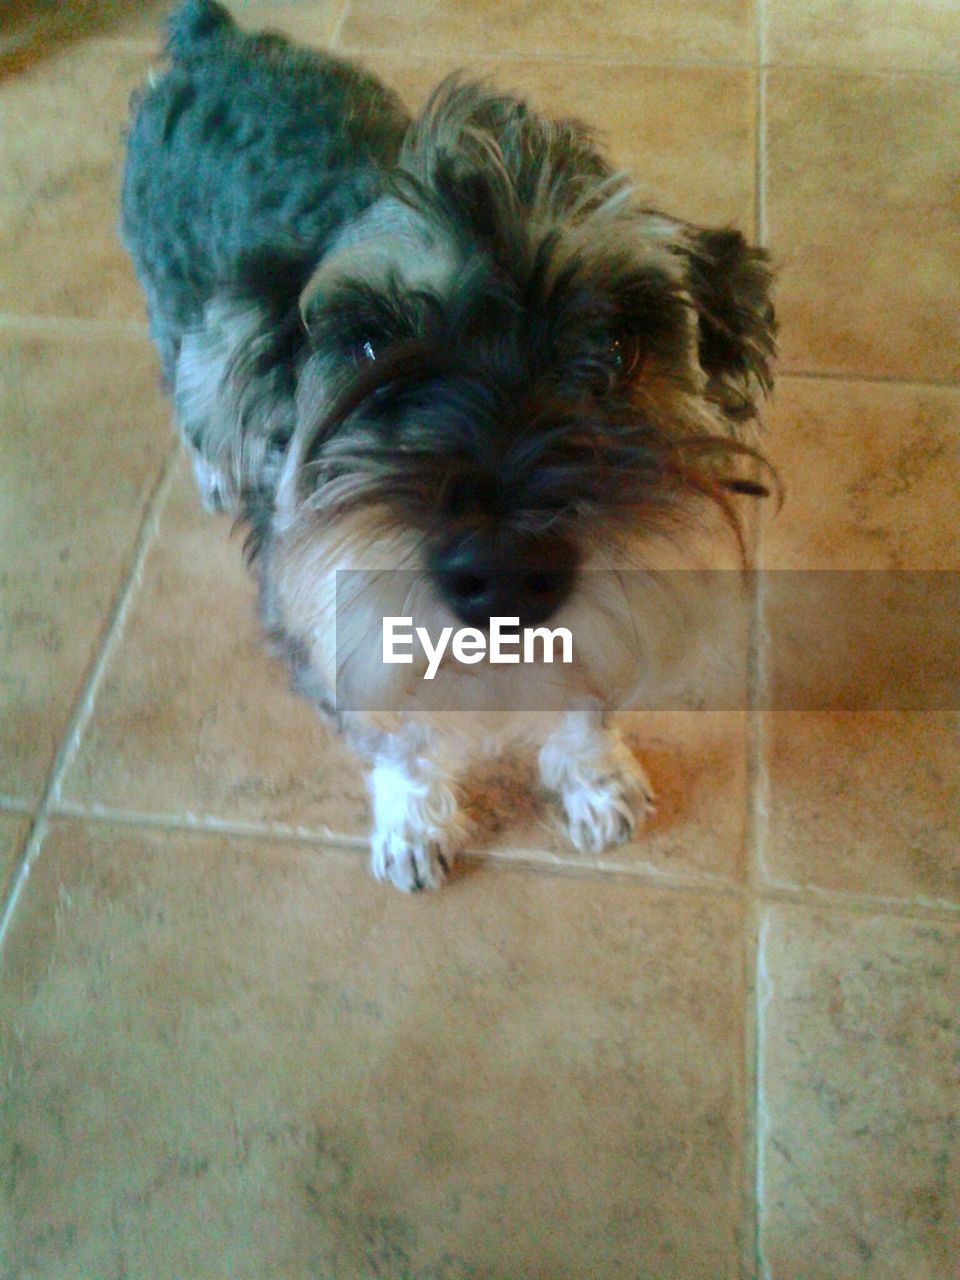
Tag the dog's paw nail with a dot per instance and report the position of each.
(409, 863)
(606, 809)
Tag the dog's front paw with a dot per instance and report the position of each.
(417, 826)
(603, 788)
(408, 860)
(605, 808)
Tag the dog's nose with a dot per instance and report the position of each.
(497, 574)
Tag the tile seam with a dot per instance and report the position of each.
(336, 31)
(83, 704)
(262, 833)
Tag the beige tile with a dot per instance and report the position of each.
(193, 715)
(652, 32)
(919, 35)
(871, 474)
(865, 802)
(84, 435)
(862, 799)
(13, 833)
(862, 209)
(861, 1159)
(276, 1067)
(60, 143)
(686, 134)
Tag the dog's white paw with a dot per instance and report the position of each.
(605, 808)
(417, 826)
(603, 788)
(410, 861)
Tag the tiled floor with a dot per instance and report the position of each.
(732, 1050)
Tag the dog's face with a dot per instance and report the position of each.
(514, 376)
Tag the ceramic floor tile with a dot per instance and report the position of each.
(861, 204)
(654, 32)
(84, 435)
(193, 715)
(275, 1066)
(918, 35)
(865, 802)
(13, 832)
(870, 473)
(61, 120)
(861, 1134)
(686, 134)
(863, 799)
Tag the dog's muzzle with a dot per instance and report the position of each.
(496, 573)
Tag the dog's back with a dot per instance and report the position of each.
(244, 144)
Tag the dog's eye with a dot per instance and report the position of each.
(627, 357)
(363, 352)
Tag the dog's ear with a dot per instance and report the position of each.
(730, 283)
(235, 375)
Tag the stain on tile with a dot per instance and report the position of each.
(862, 1124)
(311, 1074)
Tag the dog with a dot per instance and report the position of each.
(456, 362)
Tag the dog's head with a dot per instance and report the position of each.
(511, 369)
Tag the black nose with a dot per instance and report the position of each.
(498, 574)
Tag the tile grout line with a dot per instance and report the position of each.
(212, 826)
(814, 899)
(146, 44)
(336, 31)
(755, 829)
(84, 702)
(881, 379)
(759, 825)
(763, 993)
(751, 1188)
(760, 152)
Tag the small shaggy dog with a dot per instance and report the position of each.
(457, 362)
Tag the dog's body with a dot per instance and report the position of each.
(449, 348)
